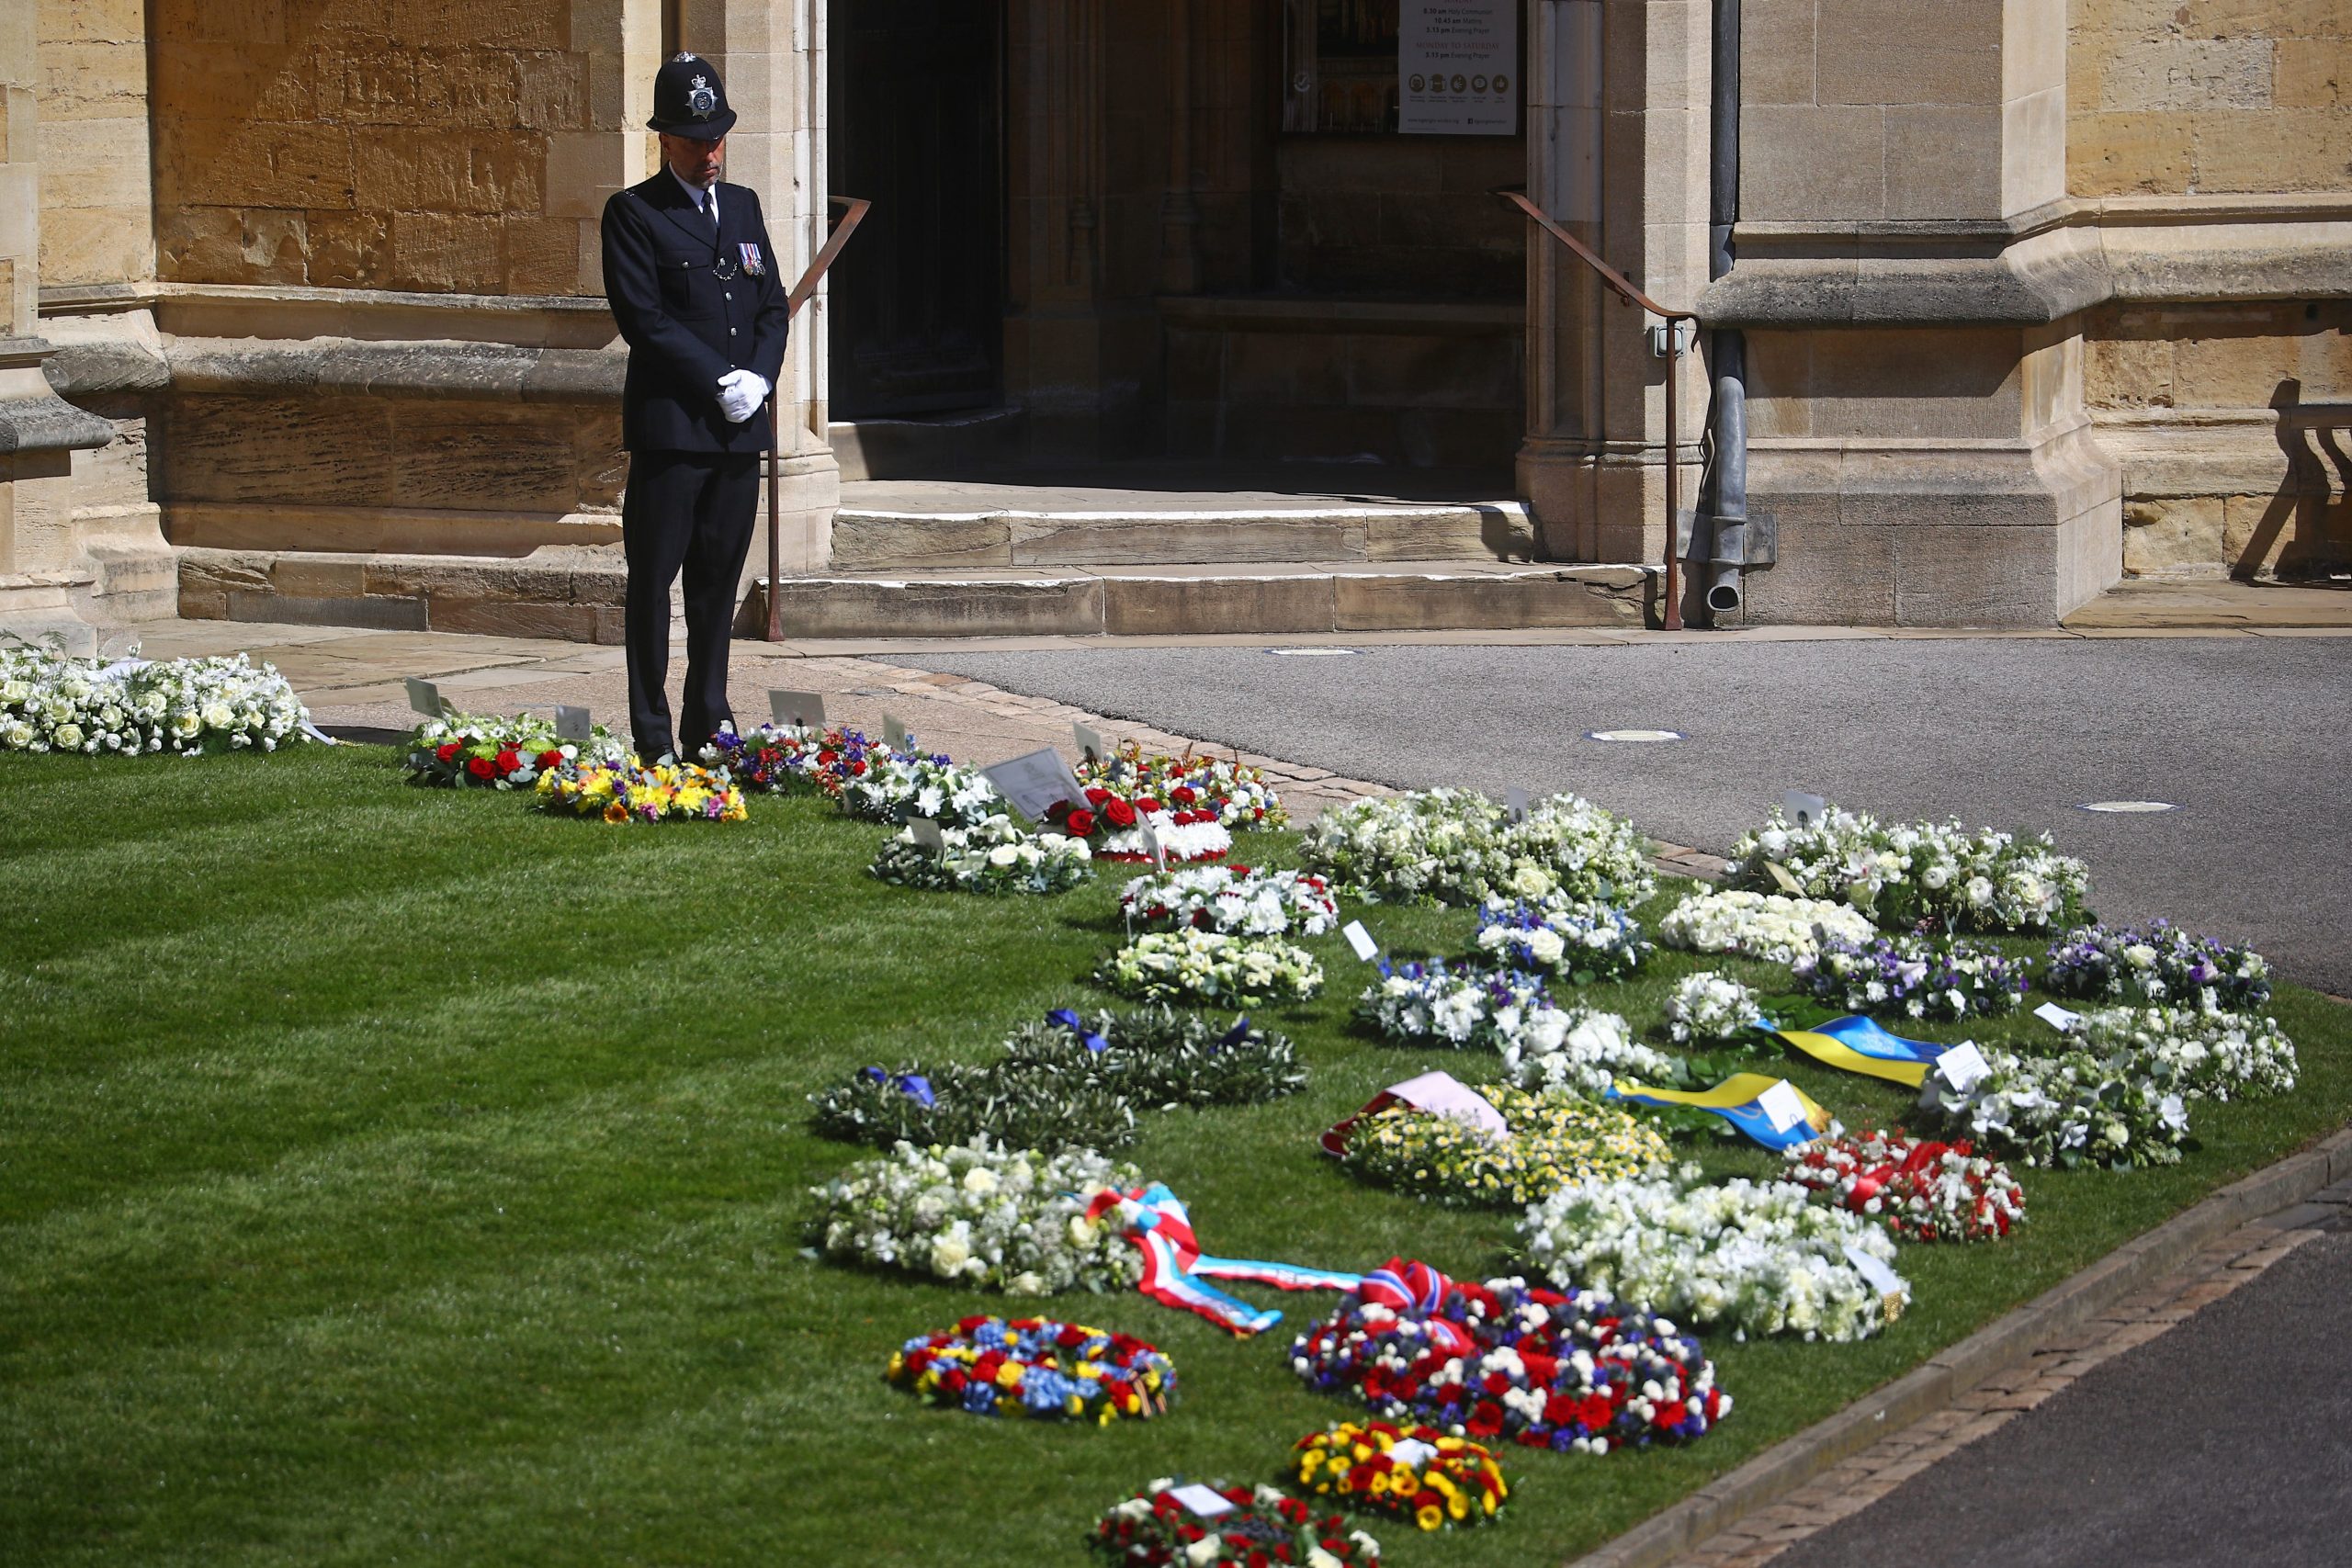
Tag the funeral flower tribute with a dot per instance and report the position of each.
(1922, 1190)
(51, 702)
(1752, 1256)
(1190, 964)
(1453, 846)
(1769, 926)
(1066, 1081)
(1166, 1526)
(983, 1216)
(1709, 1007)
(994, 855)
(1543, 1045)
(1417, 1473)
(1574, 1371)
(2157, 963)
(1914, 976)
(1036, 1367)
(2072, 1109)
(1232, 898)
(1556, 1136)
(667, 792)
(1232, 793)
(1959, 879)
(1580, 940)
(775, 759)
(472, 750)
(2119, 1096)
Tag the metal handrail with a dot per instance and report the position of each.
(1629, 295)
(801, 292)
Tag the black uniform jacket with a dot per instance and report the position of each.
(692, 308)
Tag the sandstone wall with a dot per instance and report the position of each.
(2191, 399)
(400, 145)
(97, 221)
(2174, 97)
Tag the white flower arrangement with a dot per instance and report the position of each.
(1915, 976)
(2158, 962)
(1543, 1045)
(1234, 899)
(1581, 939)
(1710, 1006)
(1981, 880)
(994, 855)
(2074, 1108)
(1432, 1004)
(1770, 926)
(1581, 1049)
(1453, 846)
(898, 785)
(1195, 966)
(51, 703)
(982, 1216)
(2207, 1055)
(1752, 1256)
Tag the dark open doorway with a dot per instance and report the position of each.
(915, 101)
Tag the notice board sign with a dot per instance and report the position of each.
(1457, 67)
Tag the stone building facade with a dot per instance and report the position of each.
(300, 318)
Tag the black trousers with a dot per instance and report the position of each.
(690, 511)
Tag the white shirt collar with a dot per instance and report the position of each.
(696, 193)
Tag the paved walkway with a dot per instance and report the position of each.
(2250, 737)
(1973, 1484)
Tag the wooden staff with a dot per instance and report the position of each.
(851, 217)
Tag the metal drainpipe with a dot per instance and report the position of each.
(1727, 484)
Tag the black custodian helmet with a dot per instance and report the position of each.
(690, 100)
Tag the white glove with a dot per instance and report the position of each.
(740, 393)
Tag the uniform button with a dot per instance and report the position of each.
(730, 331)
(730, 297)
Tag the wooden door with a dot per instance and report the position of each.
(915, 88)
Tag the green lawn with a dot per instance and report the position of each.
(401, 1177)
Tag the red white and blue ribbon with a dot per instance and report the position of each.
(1176, 1271)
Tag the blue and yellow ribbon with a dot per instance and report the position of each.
(1860, 1045)
(1738, 1100)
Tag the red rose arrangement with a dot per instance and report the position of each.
(1415, 1473)
(1229, 794)
(1576, 1373)
(1170, 1522)
(482, 752)
(1112, 824)
(1923, 1190)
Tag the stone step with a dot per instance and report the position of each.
(1282, 599)
(870, 539)
(914, 448)
(578, 594)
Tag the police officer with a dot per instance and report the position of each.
(693, 284)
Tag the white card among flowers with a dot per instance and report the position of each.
(1781, 1105)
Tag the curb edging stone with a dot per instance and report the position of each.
(2003, 1343)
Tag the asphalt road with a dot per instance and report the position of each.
(2144, 1461)
(2250, 737)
